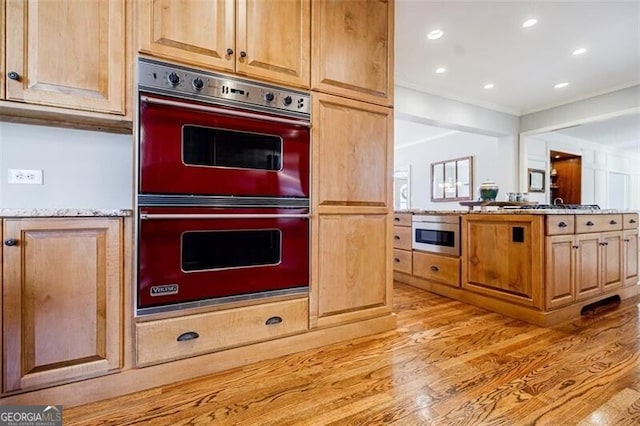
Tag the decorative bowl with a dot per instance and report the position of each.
(488, 190)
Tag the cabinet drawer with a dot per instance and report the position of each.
(598, 223)
(560, 224)
(402, 261)
(402, 219)
(174, 338)
(438, 268)
(630, 221)
(402, 238)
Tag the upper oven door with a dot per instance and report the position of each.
(199, 149)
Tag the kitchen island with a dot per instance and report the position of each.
(541, 266)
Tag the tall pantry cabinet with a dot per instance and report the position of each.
(352, 160)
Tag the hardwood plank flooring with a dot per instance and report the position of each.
(447, 363)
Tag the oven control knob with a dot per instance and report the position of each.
(198, 83)
(269, 97)
(173, 79)
(287, 100)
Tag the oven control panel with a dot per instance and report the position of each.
(169, 79)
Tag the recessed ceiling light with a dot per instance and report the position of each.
(488, 86)
(529, 23)
(435, 34)
(440, 70)
(579, 51)
(561, 85)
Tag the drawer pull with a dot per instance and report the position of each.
(632, 221)
(10, 242)
(589, 223)
(397, 237)
(398, 260)
(396, 219)
(434, 268)
(189, 335)
(562, 225)
(613, 222)
(273, 321)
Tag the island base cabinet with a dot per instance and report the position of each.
(630, 257)
(61, 318)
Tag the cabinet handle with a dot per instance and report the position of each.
(626, 240)
(398, 260)
(589, 223)
(632, 221)
(562, 225)
(10, 242)
(243, 54)
(229, 51)
(397, 219)
(189, 335)
(396, 237)
(434, 268)
(273, 320)
(613, 222)
(575, 247)
(14, 76)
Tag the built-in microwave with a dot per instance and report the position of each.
(436, 233)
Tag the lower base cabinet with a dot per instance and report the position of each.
(630, 255)
(61, 288)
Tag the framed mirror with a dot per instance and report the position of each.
(451, 180)
(536, 180)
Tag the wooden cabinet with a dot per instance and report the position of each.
(352, 148)
(503, 257)
(3, 72)
(67, 53)
(584, 265)
(268, 40)
(353, 49)
(630, 256)
(190, 335)
(62, 289)
(352, 269)
(402, 243)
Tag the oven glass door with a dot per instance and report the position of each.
(192, 254)
(208, 152)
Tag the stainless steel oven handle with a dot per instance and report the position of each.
(234, 113)
(148, 216)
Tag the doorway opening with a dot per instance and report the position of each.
(566, 178)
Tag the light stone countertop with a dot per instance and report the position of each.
(516, 211)
(60, 212)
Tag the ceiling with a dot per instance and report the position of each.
(484, 42)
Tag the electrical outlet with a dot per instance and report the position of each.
(33, 177)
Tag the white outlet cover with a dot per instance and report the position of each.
(25, 176)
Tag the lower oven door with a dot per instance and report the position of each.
(195, 256)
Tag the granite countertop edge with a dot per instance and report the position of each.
(63, 212)
(516, 211)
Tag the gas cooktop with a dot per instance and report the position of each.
(562, 207)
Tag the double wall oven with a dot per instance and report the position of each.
(223, 189)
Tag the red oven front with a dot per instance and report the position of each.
(200, 254)
(190, 148)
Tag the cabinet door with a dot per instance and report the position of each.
(588, 268)
(630, 257)
(3, 73)
(352, 153)
(67, 53)
(353, 49)
(353, 268)
(560, 272)
(62, 300)
(273, 40)
(196, 33)
(612, 261)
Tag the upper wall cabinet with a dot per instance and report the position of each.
(268, 40)
(67, 53)
(353, 49)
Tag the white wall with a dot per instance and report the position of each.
(487, 158)
(81, 169)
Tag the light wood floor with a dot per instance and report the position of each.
(447, 364)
